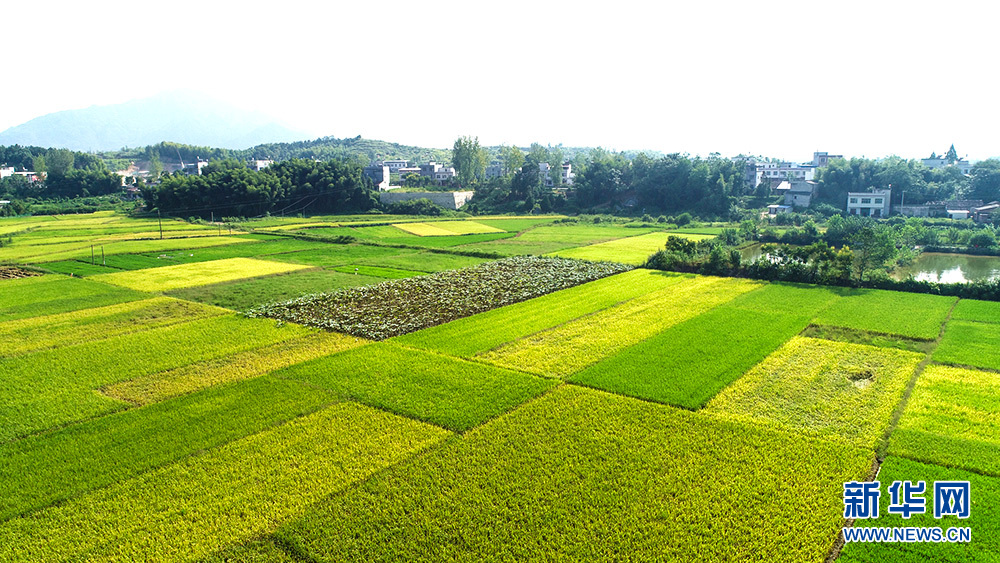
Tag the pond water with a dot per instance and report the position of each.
(951, 268)
(750, 253)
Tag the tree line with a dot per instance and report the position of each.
(605, 181)
(229, 188)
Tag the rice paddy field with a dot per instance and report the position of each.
(413, 396)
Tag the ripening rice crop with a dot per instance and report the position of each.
(423, 229)
(191, 275)
(970, 343)
(450, 392)
(577, 344)
(243, 365)
(830, 389)
(264, 550)
(56, 387)
(51, 294)
(83, 251)
(479, 333)
(240, 295)
(396, 307)
(630, 250)
(446, 228)
(890, 312)
(466, 227)
(546, 239)
(89, 325)
(268, 249)
(687, 364)
(187, 510)
(50, 467)
(580, 475)
(952, 418)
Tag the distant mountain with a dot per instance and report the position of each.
(180, 116)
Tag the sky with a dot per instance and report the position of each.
(772, 78)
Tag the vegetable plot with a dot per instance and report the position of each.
(397, 307)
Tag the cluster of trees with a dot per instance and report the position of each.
(67, 174)
(604, 180)
(521, 185)
(854, 250)
(229, 188)
(911, 181)
(665, 184)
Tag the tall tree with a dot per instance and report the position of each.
(512, 158)
(985, 181)
(469, 160)
(952, 156)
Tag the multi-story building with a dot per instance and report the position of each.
(936, 163)
(379, 173)
(444, 174)
(395, 165)
(821, 159)
(779, 171)
(195, 168)
(775, 172)
(495, 170)
(429, 169)
(869, 204)
(567, 174)
(258, 164)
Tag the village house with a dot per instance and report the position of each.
(869, 204)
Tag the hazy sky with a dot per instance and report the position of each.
(774, 78)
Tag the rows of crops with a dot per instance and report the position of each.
(581, 475)
(53, 387)
(269, 476)
(447, 228)
(523, 409)
(180, 276)
(400, 306)
(630, 250)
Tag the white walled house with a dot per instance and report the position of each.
(869, 204)
(567, 174)
(395, 165)
(258, 164)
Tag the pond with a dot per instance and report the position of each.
(951, 268)
(750, 253)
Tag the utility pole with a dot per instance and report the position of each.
(159, 222)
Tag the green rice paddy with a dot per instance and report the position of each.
(542, 411)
